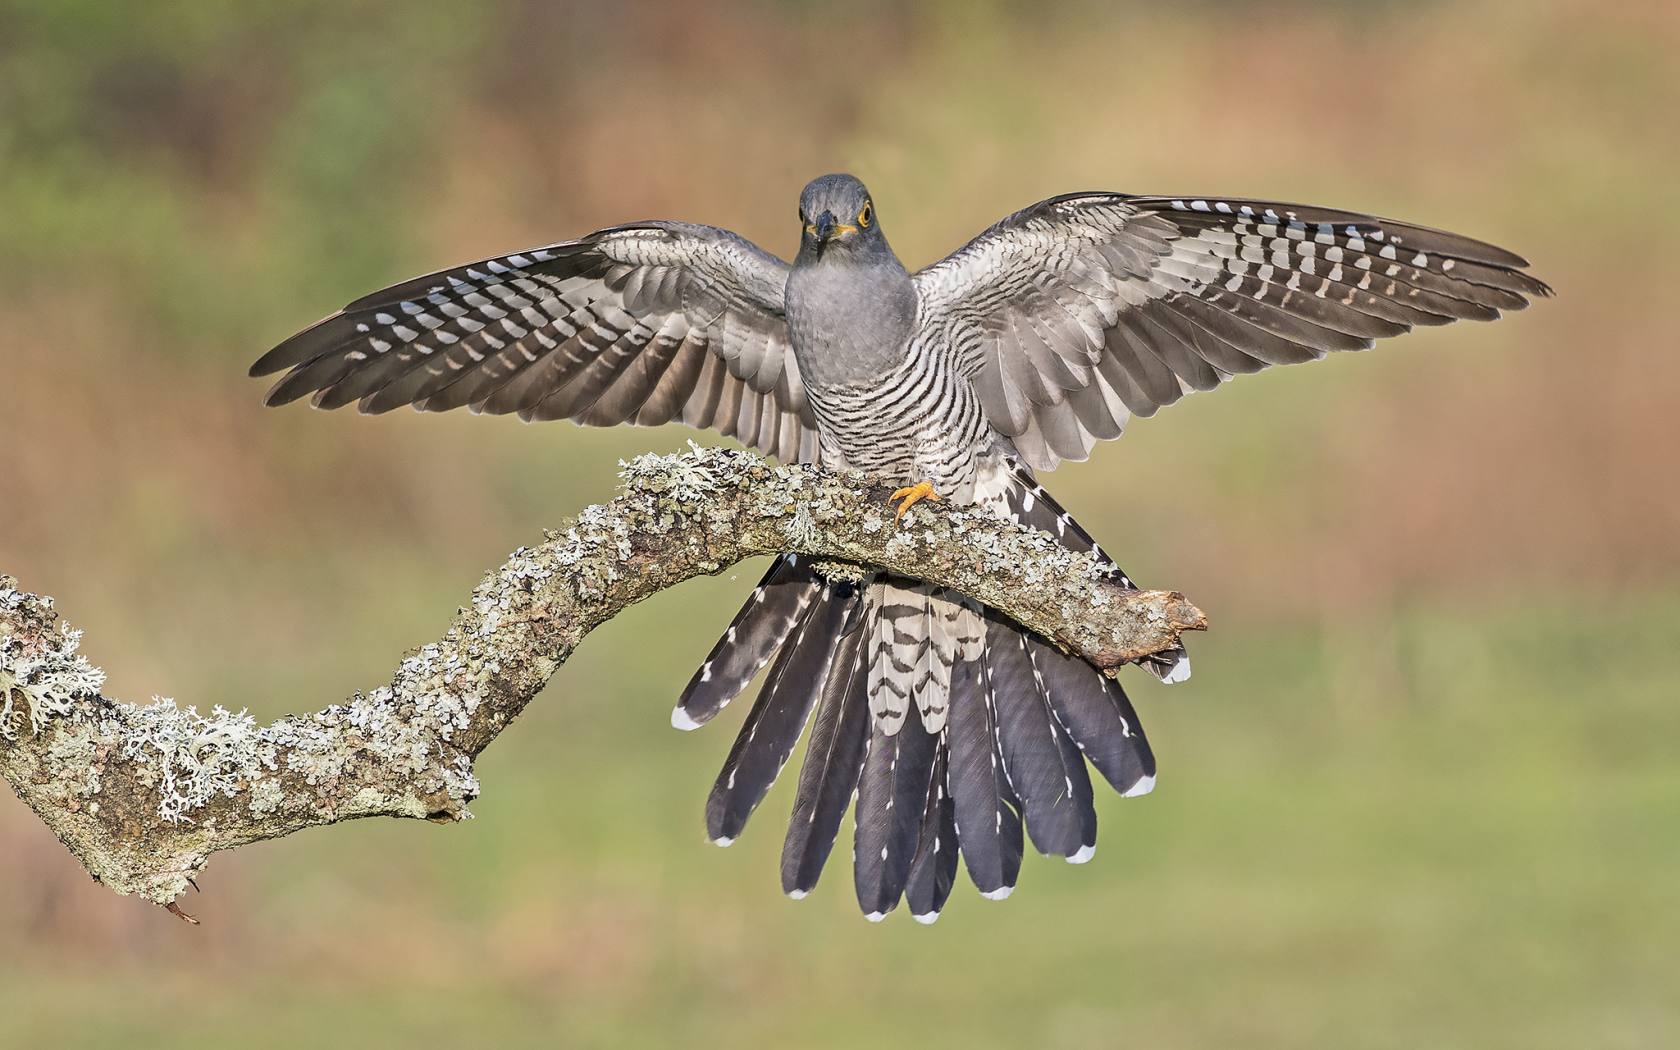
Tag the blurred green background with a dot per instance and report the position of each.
(1423, 790)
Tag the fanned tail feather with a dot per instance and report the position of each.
(987, 814)
(934, 871)
(779, 714)
(891, 801)
(1043, 763)
(896, 643)
(758, 630)
(1096, 714)
(833, 758)
(997, 754)
(932, 689)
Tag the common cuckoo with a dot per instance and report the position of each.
(954, 727)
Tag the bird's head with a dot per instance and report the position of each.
(838, 220)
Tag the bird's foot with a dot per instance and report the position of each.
(916, 493)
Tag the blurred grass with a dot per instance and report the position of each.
(1421, 791)
(1482, 857)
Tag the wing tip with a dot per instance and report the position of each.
(279, 395)
(275, 360)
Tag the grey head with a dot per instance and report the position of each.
(840, 225)
(850, 303)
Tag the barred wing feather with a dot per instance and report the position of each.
(1080, 311)
(642, 324)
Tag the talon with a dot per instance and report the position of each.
(920, 491)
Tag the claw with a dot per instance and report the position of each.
(920, 491)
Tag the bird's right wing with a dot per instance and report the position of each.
(641, 324)
(1079, 311)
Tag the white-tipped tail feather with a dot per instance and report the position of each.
(1180, 670)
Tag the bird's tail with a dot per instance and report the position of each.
(954, 728)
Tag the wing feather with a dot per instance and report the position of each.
(1149, 298)
(601, 330)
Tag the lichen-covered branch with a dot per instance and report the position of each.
(144, 794)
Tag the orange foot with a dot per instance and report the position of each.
(910, 496)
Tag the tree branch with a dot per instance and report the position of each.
(144, 794)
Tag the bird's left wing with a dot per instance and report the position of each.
(642, 324)
(1081, 310)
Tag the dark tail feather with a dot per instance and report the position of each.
(778, 715)
(1029, 504)
(833, 759)
(988, 824)
(1043, 763)
(758, 630)
(1096, 714)
(934, 871)
(892, 797)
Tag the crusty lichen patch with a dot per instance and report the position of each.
(48, 681)
(188, 759)
(142, 793)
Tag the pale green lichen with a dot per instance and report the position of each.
(840, 571)
(50, 682)
(688, 478)
(266, 796)
(190, 759)
(801, 529)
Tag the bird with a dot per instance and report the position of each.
(953, 730)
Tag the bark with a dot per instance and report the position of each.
(144, 794)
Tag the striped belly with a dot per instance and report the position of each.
(921, 422)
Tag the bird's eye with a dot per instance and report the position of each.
(866, 215)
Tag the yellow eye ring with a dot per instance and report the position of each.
(866, 215)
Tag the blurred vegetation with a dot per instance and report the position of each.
(1421, 791)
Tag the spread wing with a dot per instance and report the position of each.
(641, 324)
(1081, 310)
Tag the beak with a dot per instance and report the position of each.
(825, 227)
